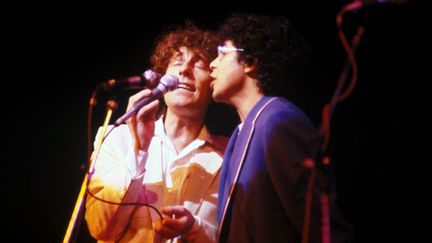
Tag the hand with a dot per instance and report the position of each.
(142, 125)
(178, 222)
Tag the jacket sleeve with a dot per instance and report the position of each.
(116, 179)
(291, 141)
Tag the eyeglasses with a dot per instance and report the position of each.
(222, 50)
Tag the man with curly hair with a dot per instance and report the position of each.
(262, 191)
(156, 179)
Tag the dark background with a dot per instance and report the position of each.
(56, 55)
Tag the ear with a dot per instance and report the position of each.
(249, 68)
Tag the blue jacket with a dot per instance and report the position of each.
(263, 182)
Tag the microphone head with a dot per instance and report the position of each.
(151, 77)
(169, 81)
(148, 79)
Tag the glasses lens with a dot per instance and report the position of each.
(226, 49)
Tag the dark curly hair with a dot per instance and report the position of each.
(271, 42)
(202, 42)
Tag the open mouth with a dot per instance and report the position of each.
(186, 87)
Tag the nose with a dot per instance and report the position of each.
(186, 68)
(213, 64)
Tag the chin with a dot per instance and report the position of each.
(217, 97)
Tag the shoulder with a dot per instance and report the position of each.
(218, 141)
(283, 110)
(282, 118)
(118, 137)
(283, 123)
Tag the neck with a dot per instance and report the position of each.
(182, 130)
(246, 99)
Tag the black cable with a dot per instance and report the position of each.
(126, 204)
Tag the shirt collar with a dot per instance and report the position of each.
(203, 137)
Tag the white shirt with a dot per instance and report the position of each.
(159, 178)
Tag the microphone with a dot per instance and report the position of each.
(359, 4)
(148, 78)
(167, 82)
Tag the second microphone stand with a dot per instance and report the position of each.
(79, 205)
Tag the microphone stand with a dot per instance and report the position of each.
(321, 162)
(79, 205)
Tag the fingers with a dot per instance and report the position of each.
(178, 222)
(148, 112)
(138, 96)
(180, 217)
(165, 231)
(142, 124)
(151, 107)
(133, 128)
(176, 210)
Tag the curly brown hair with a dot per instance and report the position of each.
(203, 43)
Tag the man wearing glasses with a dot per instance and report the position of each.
(263, 185)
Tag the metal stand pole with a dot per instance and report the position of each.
(79, 205)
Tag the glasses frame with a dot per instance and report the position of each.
(227, 49)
